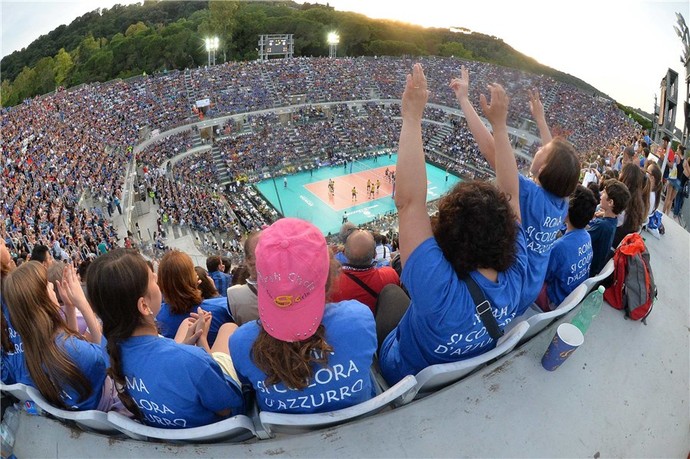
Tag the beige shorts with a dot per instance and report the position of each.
(225, 362)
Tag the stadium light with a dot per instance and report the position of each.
(332, 39)
(212, 45)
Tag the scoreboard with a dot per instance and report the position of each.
(276, 45)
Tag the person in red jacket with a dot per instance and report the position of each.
(359, 278)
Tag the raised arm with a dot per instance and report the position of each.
(506, 166)
(537, 109)
(479, 131)
(410, 181)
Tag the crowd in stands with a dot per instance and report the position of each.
(166, 148)
(300, 357)
(103, 118)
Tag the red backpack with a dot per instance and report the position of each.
(633, 288)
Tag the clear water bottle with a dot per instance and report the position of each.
(591, 306)
(8, 429)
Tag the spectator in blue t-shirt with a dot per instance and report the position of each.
(571, 255)
(543, 201)
(476, 235)
(304, 355)
(614, 199)
(69, 370)
(182, 296)
(216, 269)
(166, 383)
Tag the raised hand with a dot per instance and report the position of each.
(539, 117)
(535, 105)
(72, 294)
(461, 86)
(497, 110)
(416, 94)
(70, 289)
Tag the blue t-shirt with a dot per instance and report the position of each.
(222, 282)
(601, 231)
(568, 264)
(345, 381)
(543, 215)
(175, 385)
(340, 256)
(218, 306)
(13, 366)
(93, 361)
(441, 324)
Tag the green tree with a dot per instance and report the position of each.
(253, 19)
(221, 22)
(63, 66)
(310, 37)
(45, 75)
(25, 84)
(9, 97)
(98, 67)
(86, 49)
(393, 48)
(135, 29)
(454, 49)
(355, 33)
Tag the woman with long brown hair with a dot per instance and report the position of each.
(163, 382)
(303, 355)
(637, 210)
(68, 370)
(180, 286)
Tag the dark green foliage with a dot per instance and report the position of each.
(640, 119)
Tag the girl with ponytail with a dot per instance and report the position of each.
(163, 382)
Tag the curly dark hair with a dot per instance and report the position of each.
(476, 228)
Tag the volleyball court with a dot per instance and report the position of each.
(341, 197)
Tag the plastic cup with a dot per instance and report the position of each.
(567, 338)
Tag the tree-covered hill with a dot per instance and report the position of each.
(155, 36)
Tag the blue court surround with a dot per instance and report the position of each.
(297, 201)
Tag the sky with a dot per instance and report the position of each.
(622, 47)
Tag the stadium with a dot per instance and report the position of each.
(196, 159)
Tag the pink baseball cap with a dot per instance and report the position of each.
(292, 263)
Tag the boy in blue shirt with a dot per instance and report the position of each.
(571, 255)
(614, 200)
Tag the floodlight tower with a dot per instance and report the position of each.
(333, 39)
(212, 45)
(682, 31)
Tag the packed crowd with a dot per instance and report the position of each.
(81, 139)
(517, 240)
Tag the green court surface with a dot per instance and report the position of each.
(306, 195)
